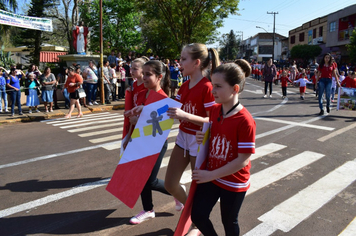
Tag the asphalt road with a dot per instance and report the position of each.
(53, 174)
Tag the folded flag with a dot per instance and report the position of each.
(141, 153)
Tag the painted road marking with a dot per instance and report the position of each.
(81, 120)
(350, 230)
(53, 198)
(91, 123)
(95, 127)
(295, 123)
(337, 132)
(282, 169)
(107, 131)
(286, 127)
(266, 149)
(62, 120)
(297, 208)
(56, 155)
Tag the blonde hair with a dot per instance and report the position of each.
(201, 52)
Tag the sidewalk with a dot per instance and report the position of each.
(57, 113)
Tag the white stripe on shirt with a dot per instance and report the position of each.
(209, 104)
(245, 145)
(233, 184)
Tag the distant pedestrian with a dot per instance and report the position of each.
(90, 75)
(62, 78)
(303, 81)
(284, 82)
(293, 71)
(269, 73)
(73, 82)
(3, 94)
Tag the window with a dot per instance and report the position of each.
(314, 33)
(301, 37)
(292, 39)
(332, 26)
(321, 31)
(265, 49)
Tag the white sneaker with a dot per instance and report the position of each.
(90, 104)
(270, 95)
(179, 205)
(265, 96)
(95, 103)
(142, 216)
(30, 111)
(37, 110)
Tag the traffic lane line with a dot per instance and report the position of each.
(336, 133)
(295, 123)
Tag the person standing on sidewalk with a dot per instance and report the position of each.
(90, 75)
(3, 94)
(269, 73)
(31, 90)
(13, 84)
(47, 80)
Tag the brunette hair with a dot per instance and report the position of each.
(159, 68)
(205, 55)
(321, 65)
(235, 73)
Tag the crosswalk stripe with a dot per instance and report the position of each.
(107, 138)
(61, 120)
(107, 131)
(95, 127)
(282, 169)
(266, 149)
(285, 217)
(350, 230)
(81, 120)
(92, 122)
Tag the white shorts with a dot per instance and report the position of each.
(187, 142)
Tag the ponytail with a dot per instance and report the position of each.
(160, 68)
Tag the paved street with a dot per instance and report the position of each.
(53, 174)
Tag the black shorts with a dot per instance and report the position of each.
(74, 95)
(174, 83)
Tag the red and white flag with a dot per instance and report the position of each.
(185, 222)
(141, 153)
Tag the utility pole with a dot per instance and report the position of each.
(274, 30)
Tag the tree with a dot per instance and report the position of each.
(6, 5)
(120, 25)
(33, 39)
(187, 21)
(305, 52)
(229, 46)
(351, 47)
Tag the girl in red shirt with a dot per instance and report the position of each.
(232, 142)
(326, 71)
(197, 100)
(284, 81)
(156, 78)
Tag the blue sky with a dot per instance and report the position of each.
(291, 14)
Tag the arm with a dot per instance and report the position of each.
(203, 176)
(177, 113)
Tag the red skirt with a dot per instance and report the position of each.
(302, 89)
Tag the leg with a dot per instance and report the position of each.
(72, 104)
(153, 183)
(13, 101)
(328, 93)
(230, 204)
(321, 88)
(95, 91)
(270, 88)
(19, 101)
(176, 166)
(205, 197)
(78, 107)
(266, 85)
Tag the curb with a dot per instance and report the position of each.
(60, 114)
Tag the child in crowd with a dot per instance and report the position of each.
(333, 88)
(197, 100)
(314, 81)
(113, 81)
(349, 81)
(232, 142)
(284, 81)
(259, 74)
(155, 78)
(342, 76)
(302, 85)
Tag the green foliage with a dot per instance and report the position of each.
(305, 51)
(186, 21)
(229, 46)
(351, 48)
(5, 59)
(120, 25)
